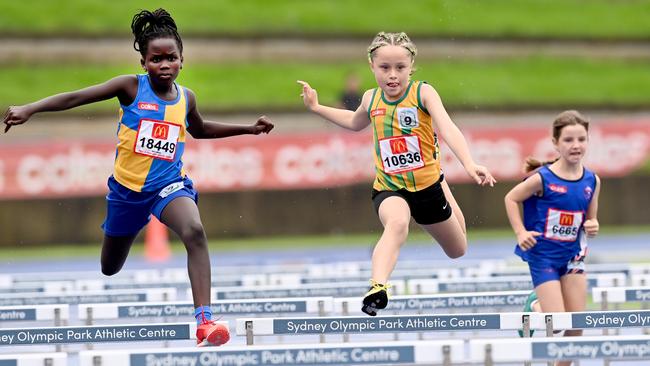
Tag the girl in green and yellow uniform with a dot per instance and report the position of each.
(407, 117)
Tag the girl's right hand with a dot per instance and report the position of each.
(309, 95)
(526, 239)
(16, 115)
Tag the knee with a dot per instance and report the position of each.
(194, 235)
(398, 227)
(457, 251)
(109, 270)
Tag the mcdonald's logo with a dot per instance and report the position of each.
(566, 219)
(398, 146)
(160, 131)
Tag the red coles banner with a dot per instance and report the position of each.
(307, 160)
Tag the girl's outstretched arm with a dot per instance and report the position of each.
(352, 120)
(532, 185)
(201, 129)
(124, 87)
(453, 137)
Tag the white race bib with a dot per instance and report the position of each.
(157, 139)
(563, 225)
(401, 154)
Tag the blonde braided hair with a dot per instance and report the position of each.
(393, 39)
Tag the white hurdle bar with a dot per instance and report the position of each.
(456, 300)
(135, 310)
(605, 295)
(35, 359)
(502, 283)
(251, 327)
(410, 353)
(492, 351)
(71, 298)
(99, 334)
(307, 290)
(56, 313)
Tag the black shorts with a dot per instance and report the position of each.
(428, 206)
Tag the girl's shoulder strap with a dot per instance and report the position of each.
(372, 102)
(420, 104)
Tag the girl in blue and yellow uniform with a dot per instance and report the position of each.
(560, 207)
(155, 116)
(406, 118)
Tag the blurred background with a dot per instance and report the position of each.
(504, 69)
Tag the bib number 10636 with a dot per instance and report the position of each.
(401, 154)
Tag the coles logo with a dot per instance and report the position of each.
(557, 188)
(398, 146)
(160, 131)
(378, 112)
(148, 106)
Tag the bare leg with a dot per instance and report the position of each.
(574, 290)
(182, 216)
(395, 216)
(115, 249)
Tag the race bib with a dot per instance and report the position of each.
(563, 225)
(401, 154)
(408, 117)
(157, 139)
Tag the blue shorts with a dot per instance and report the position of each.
(128, 211)
(544, 271)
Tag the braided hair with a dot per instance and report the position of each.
(147, 25)
(395, 39)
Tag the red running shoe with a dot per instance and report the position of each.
(211, 334)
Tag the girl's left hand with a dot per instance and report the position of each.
(591, 227)
(481, 175)
(263, 125)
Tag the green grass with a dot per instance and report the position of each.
(63, 251)
(529, 82)
(464, 18)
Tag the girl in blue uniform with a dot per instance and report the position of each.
(560, 207)
(155, 116)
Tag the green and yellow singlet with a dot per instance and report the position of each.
(406, 151)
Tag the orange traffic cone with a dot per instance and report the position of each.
(156, 242)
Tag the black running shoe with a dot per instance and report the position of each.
(376, 298)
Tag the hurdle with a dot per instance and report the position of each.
(35, 359)
(448, 301)
(73, 298)
(503, 283)
(617, 295)
(312, 305)
(549, 322)
(57, 313)
(98, 334)
(397, 353)
(493, 351)
(251, 327)
(307, 290)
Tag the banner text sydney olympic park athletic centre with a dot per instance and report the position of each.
(76, 167)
